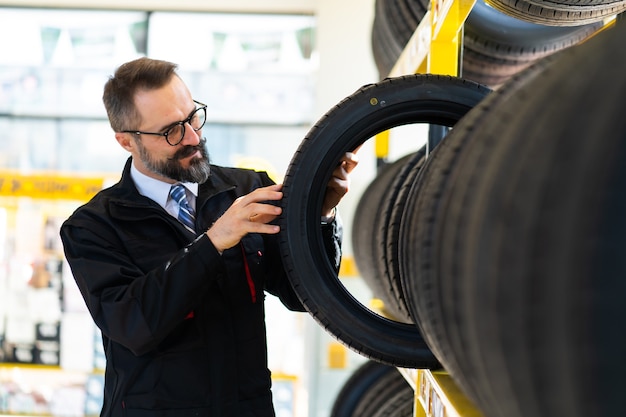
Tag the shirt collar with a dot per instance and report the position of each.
(155, 189)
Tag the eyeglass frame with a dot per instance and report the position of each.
(181, 123)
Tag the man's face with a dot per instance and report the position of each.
(187, 161)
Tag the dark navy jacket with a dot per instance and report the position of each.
(183, 327)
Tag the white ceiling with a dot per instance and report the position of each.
(266, 6)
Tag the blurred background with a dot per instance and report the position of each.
(267, 70)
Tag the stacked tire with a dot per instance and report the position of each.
(374, 390)
(517, 223)
(496, 44)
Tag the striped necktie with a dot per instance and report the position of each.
(185, 212)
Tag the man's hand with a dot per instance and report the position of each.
(248, 214)
(339, 183)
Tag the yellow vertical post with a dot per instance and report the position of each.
(448, 18)
(381, 146)
(436, 44)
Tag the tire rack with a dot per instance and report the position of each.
(434, 48)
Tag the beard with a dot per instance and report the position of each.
(198, 171)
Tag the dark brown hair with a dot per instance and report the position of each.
(119, 91)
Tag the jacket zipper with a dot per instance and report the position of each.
(246, 268)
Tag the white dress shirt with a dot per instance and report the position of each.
(159, 191)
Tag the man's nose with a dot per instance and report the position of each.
(191, 137)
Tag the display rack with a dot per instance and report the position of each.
(434, 48)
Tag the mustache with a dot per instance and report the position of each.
(186, 151)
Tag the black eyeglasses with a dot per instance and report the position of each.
(176, 132)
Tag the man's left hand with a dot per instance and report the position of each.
(339, 183)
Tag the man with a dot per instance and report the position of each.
(180, 306)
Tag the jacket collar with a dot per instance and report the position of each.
(216, 184)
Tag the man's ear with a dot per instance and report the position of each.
(125, 140)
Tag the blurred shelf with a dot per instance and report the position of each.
(437, 395)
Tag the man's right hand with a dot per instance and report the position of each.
(247, 214)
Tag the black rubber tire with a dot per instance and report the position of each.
(399, 404)
(370, 217)
(374, 108)
(385, 53)
(530, 242)
(560, 13)
(562, 281)
(497, 46)
(394, 23)
(389, 395)
(386, 46)
(432, 299)
(352, 391)
(388, 232)
(502, 36)
(374, 390)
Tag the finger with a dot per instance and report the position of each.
(263, 213)
(349, 161)
(262, 218)
(259, 222)
(338, 186)
(263, 228)
(340, 172)
(271, 193)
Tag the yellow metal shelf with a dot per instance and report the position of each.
(437, 395)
